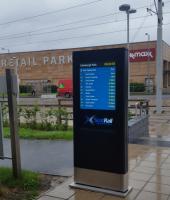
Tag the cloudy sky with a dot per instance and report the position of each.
(28, 25)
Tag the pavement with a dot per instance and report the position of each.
(159, 124)
(149, 175)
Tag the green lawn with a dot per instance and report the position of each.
(26, 187)
(26, 133)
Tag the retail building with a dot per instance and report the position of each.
(39, 68)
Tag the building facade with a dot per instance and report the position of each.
(39, 68)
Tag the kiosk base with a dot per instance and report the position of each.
(101, 179)
(102, 190)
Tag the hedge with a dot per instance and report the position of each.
(137, 87)
(25, 88)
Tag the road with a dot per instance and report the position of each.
(45, 156)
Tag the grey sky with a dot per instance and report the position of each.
(96, 30)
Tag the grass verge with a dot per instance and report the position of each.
(26, 133)
(25, 188)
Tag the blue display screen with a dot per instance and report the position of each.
(98, 86)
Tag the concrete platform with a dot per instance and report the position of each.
(149, 175)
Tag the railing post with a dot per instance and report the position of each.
(59, 111)
(147, 107)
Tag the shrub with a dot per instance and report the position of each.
(5, 115)
(49, 119)
(137, 87)
(25, 88)
(53, 88)
(30, 116)
(50, 89)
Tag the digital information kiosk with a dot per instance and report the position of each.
(100, 86)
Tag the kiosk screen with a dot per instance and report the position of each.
(98, 86)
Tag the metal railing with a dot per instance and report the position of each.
(136, 108)
(139, 107)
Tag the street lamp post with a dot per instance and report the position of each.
(126, 8)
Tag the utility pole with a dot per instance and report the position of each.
(159, 61)
(159, 57)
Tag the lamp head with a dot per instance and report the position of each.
(124, 7)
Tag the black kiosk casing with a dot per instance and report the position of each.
(100, 99)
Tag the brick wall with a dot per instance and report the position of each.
(56, 64)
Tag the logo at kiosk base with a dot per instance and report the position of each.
(93, 120)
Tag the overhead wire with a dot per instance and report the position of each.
(82, 20)
(139, 28)
(142, 23)
(65, 24)
(31, 33)
(59, 10)
(155, 6)
(67, 29)
(83, 36)
(79, 27)
(50, 12)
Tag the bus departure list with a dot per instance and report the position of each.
(98, 87)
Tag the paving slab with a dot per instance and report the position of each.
(62, 191)
(48, 198)
(149, 183)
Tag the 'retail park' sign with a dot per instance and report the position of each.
(34, 59)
